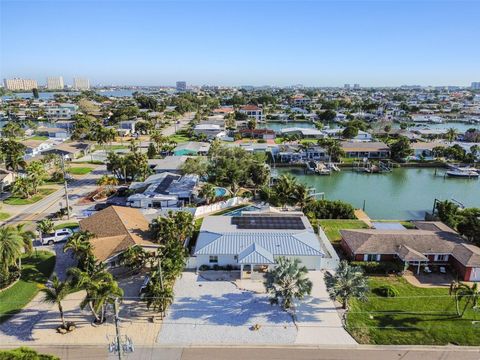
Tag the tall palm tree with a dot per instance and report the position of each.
(56, 294)
(158, 297)
(347, 282)
(451, 134)
(207, 192)
(286, 282)
(108, 181)
(27, 237)
(79, 244)
(11, 245)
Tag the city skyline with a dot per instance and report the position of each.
(233, 43)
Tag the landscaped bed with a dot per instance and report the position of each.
(4, 216)
(14, 200)
(36, 269)
(423, 316)
(332, 227)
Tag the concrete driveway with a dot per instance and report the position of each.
(318, 321)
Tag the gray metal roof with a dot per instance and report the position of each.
(255, 254)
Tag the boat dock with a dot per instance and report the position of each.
(362, 215)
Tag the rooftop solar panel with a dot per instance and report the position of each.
(268, 222)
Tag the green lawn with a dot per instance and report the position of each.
(35, 272)
(424, 316)
(179, 138)
(332, 227)
(14, 200)
(70, 225)
(80, 170)
(405, 223)
(4, 216)
(111, 147)
(38, 137)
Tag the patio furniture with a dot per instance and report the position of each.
(443, 270)
(427, 270)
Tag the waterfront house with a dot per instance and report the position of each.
(211, 131)
(60, 111)
(116, 229)
(252, 111)
(431, 244)
(53, 132)
(424, 149)
(369, 150)
(305, 133)
(70, 150)
(255, 240)
(265, 134)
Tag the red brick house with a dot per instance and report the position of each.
(432, 243)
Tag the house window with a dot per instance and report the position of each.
(371, 257)
(441, 257)
(213, 259)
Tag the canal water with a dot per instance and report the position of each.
(405, 193)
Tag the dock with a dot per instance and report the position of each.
(362, 215)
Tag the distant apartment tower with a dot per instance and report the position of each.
(80, 83)
(356, 86)
(346, 86)
(20, 84)
(476, 85)
(55, 83)
(181, 86)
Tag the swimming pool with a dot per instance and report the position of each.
(220, 192)
(238, 212)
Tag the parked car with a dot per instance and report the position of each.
(58, 236)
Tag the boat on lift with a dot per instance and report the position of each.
(463, 172)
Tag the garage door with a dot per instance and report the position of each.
(475, 275)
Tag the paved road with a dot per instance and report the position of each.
(263, 353)
(170, 130)
(51, 203)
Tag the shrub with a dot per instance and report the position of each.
(387, 291)
(327, 209)
(204, 268)
(24, 353)
(379, 268)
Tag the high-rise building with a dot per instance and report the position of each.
(81, 83)
(356, 86)
(346, 86)
(55, 83)
(181, 86)
(476, 85)
(20, 84)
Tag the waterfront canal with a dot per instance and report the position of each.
(405, 193)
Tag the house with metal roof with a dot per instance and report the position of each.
(255, 240)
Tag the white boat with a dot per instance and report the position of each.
(464, 173)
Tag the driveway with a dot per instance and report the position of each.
(217, 312)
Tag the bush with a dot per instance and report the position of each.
(24, 353)
(379, 268)
(327, 209)
(386, 291)
(204, 268)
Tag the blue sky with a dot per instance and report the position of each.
(315, 43)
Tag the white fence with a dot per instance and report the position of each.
(212, 208)
(331, 260)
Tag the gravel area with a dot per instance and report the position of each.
(216, 312)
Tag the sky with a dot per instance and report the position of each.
(314, 43)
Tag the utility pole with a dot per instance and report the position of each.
(117, 330)
(62, 161)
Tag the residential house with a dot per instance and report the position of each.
(53, 132)
(126, 127)
(70, 150)
(35, 147)
(431, 244)
(424, 149)
(172, 164)
(192, 148)
(252, 111)
(265, 134)
(255, 240)
(163, 191)
(6, 179)
(305, 133)
(211, 131)
(370, 150)
(116, 229)
(60, 111)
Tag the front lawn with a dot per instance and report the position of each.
(15, 200)
(35, 272)
(4, 216)
(38, 137)
(332, 227)
(80, 170)
(179, 138)
(423, 316)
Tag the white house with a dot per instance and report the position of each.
(61, 111)
(254, 241)
(209, 130)
(252, 111)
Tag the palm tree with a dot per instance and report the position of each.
(347, 282)
(109, 182)
(135, 257)
(56, 294)
(463, 291)
(451, 134)
(286, 282)
(208, 193)
(11, 245)
(27, 237)
(158, 297)
(79, 244)
(45, 226)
